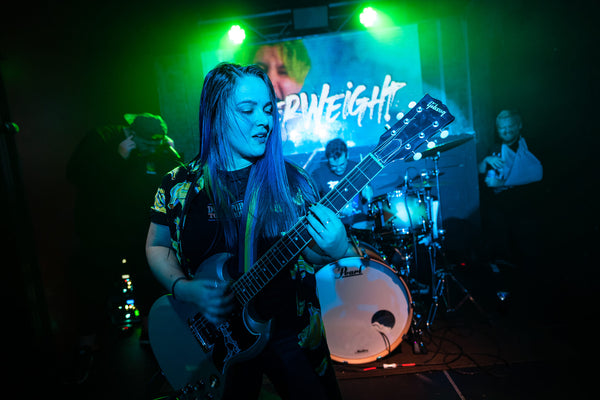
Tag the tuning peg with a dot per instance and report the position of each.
(388, 128)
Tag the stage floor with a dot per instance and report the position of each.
(536, 344)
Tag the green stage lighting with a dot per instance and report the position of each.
(237, 34)
(368, 17)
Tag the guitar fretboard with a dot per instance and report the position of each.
(292, 243)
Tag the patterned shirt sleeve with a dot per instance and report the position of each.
(158, 211)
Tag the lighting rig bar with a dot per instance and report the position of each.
(292, 23)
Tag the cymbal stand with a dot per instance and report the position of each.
(436, 171)
(442, 278)
(442, 290)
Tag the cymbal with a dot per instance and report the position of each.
(442, 147)
(425, 180)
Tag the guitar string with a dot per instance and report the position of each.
(250, 279)
(269, 255)
(268, 258)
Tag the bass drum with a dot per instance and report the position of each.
(366, 309)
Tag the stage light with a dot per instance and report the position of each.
(237, 34)
(368, 17)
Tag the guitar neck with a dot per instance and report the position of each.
(291, 244)
(402, 139)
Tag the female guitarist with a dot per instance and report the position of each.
(222, 211)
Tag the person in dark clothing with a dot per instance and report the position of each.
(115, 171)
(337, 167)
(510, 195)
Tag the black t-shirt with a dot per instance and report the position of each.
(202, 237)
(326, 180)
(202, 234)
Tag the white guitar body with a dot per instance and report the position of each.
(191, 357)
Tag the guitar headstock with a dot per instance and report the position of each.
(428, 117)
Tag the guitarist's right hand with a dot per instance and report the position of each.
(214, 298)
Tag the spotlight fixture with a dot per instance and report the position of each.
(368, 17)
(237, 34)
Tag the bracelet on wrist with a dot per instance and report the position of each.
(173, 286)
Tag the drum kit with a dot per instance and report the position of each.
(371, 303)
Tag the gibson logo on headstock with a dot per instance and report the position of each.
(433, 105)
(344, 272)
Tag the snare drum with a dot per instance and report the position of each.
(363, 230)
(366, 309)
(368, 231)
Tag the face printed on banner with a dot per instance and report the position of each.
(270, 60)
(252, 121)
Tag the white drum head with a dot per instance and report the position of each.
(366, 309)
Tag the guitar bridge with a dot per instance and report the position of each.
(205, 333)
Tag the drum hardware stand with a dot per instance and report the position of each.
(436, 171)
(406, 260)
(416, 335)
(440, 284)
(442, 290)
(441, 279)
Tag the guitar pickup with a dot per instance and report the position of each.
(205, 333)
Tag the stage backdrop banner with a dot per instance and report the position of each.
(347, 85)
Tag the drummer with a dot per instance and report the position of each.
(329, 175)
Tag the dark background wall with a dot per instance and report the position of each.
(68, 68)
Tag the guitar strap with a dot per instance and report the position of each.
(247, 242)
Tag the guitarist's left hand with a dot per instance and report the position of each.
(328, 232)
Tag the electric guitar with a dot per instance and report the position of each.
(194, 354)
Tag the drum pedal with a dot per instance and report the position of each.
(419, 347)
(416, 336)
